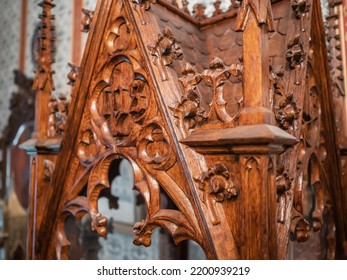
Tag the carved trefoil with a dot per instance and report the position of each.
(217, 186)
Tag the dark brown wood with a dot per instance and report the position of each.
(224, 115)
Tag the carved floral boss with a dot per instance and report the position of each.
(217, 186)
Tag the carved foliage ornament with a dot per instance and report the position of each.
(188, 112)
(215, 77)
(301, 8)
(87, 20)
(285, 106)
(165, 51)
(58, 111)
(217, 186)
(295, 55)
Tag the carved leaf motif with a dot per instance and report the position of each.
(285, 106)
(295, 55)
(173, 221)
(165, 51)
(215, 77)
(58, 111)
(188, 112)
(217, 186)
(73, 74)
(87, 20)
(301, 8)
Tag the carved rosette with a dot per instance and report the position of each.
(216, 185)
(285, 106)
(164, 51)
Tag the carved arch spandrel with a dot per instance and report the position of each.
(120, 92)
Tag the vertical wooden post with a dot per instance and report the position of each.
(255, 19)
(43, 152)
(258, 180)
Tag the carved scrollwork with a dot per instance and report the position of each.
(301, 8)
(87, 20)
(57, 118)
(217, 186)
(215, 77)
(295, 55)
(164, 51)
(87, 148)
(154, 147)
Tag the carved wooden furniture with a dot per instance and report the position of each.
(230, 116)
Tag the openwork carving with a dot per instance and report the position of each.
(295, 55)
(58, 110)
(216, 185)
(121, 120)
(301, 8)
(215, 77)
(87, 20)
(164, 51)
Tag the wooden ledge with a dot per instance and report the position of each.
(248, 139)
(39, 146)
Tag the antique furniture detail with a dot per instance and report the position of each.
(224, 118)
